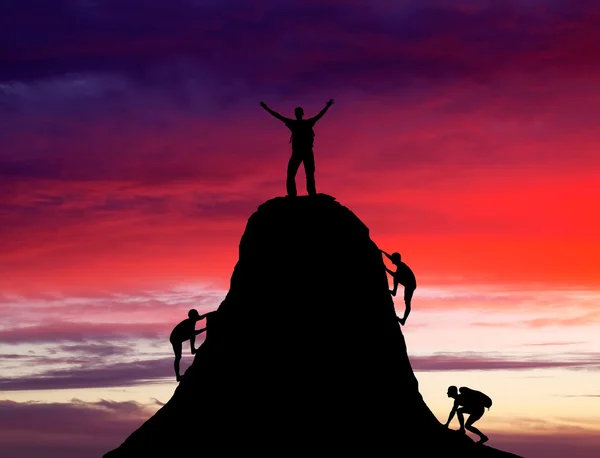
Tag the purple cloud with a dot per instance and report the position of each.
(90, 429)
(82, 332)
(68, 430)
(108, 375)
(481, 361)
(132, 373)
(551, 442)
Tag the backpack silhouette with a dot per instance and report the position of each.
(302, 134)
(477, 396)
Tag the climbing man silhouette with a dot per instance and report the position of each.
(464, 403)
(302, 140)
(405, 277)
(185, 330)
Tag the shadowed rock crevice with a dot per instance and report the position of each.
(304, 354)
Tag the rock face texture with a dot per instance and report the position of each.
(304, 355)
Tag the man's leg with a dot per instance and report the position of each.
(472, 419)
(408, 294)
(177, 348)
(292, 168)
(309, 169)
(461, 419)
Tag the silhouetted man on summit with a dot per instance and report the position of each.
(185, 330)
(405, 277)
(302, 140)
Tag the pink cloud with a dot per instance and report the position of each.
(581, 320)
(551, 344)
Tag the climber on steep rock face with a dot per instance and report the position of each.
(185, 330)
(402, 276)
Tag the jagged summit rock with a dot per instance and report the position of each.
(304, 354)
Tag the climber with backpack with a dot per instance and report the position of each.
(472, 402)
(302, 140)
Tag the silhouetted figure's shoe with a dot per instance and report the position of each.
(178, 378)
(483, 439)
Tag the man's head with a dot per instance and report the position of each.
(299, 112)
(193, 314)
(452, 392)
(396, 258)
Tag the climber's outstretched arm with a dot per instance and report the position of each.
(322, 112)
(389, 256)
(204, 315)
(452, 412)
(274, 113)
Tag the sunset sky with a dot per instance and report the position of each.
(133, 149)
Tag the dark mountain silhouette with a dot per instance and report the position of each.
(304, 355)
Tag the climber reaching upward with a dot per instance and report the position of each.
(402, 276)
(185, 330)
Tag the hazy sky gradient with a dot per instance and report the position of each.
(133, 150)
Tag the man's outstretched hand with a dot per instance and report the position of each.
(263, 104)
(329, 102)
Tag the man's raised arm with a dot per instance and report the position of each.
(274, 113)
(323, 111)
